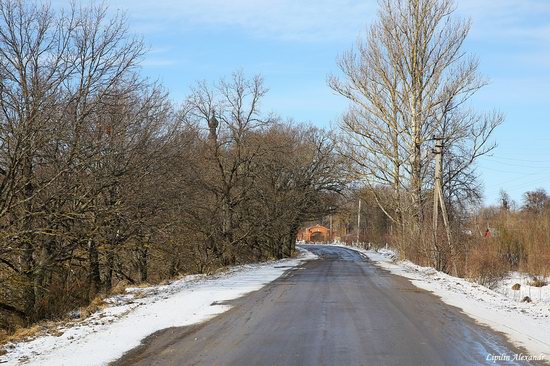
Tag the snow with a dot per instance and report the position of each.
(525, 324)
(108, 334)
(536, 294)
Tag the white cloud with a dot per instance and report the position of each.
(159, 62)
(306, 20)
(322, 20)
(513, 20)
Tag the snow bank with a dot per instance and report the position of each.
(107, 334)
(525, 324)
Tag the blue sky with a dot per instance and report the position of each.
(294, 45)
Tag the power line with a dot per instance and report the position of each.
(514, 159)
(530, 185)
(506, 163)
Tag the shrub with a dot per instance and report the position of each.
(485, 265)
(537, 282)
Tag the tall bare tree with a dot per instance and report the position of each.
(407, 80)
(231, 111)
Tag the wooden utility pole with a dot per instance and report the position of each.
(358, 220)
(438, 150)
(439, 201)
(330, 229)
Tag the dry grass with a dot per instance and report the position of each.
(120, 288)
(521, 243)
(96, 304)
(141, 285)
(22, 334)
(537, 282)
(139, 294)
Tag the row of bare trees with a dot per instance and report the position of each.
(103, 180)
(409, 80)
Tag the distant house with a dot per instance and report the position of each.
(316, 233)
(490, 233)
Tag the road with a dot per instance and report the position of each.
(338, 310)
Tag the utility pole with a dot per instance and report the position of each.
(358, 220)
(438, 150)
(330, 229)
(439, 201)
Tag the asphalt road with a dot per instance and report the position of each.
(338, 310)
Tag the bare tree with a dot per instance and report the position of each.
(298, 178)
(231, 109)
(536, 201)
(57, 72)
(408, 80)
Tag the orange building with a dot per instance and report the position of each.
(316, 233)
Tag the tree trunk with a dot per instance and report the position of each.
(27, 259)
(110, 264)
(94, 280)
(27, 266)
(143, 263)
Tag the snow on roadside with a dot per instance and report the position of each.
(130, 317)
(525, 324)
(536, 294)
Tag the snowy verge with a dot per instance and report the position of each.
(108, 334)
(540, 295)
(525, 324)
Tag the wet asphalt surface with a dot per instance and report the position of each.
(338, 310)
